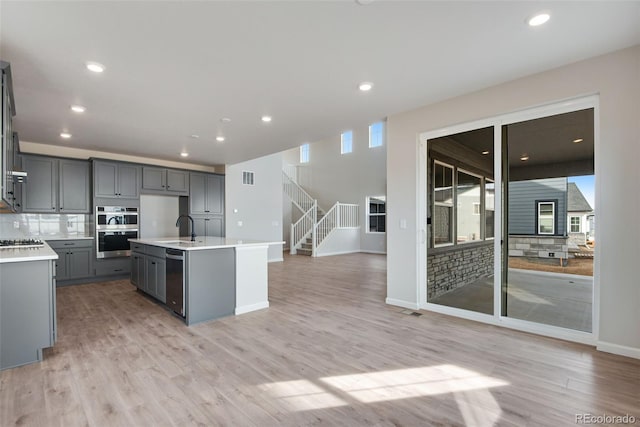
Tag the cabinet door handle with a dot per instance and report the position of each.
(68, 244)
(153, 263)
(118, 269)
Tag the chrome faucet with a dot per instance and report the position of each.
(193, 234)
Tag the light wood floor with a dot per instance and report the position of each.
(327, 352)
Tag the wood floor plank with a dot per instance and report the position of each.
(327, 352)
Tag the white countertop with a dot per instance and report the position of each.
(68, 237)
(202, 242)
(27, 254)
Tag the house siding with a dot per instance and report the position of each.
(523, 196)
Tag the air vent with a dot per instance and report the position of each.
(247, 178)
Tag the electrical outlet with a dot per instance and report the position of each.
(16, 224)
(239, 223)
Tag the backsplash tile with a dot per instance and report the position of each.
(45, 226)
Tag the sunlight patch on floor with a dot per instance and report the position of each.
(412, 382)
(302, 395)
(478, 408)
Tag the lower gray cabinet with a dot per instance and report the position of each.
(27, 312)
(148, 272)
(74, 258)
(156, 277)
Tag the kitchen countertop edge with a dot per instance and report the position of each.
(204, 243)
(27, 254)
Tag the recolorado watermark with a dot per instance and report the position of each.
(605, 419)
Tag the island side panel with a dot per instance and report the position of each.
(252, 282)
(26, 304)
(210, 284)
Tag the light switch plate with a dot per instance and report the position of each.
(239, 223)
(16, 224)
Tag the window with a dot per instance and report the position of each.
(546, 217)
(468, 194)
(304, 153)
(346, 142)
(375, 135)
(443, 204)
(377, 214)
(575, 224)
(489, 208)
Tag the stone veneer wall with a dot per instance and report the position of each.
(539, 246)
(456, 266)
(577, 239)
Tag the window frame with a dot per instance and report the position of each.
(369, 214)
(371, 145)
(458, 170)
(484, 198)
(305, 151)
(451, 205)
(571, 218)
(343, 147)
(554, 204)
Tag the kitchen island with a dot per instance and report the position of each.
(27, 304)
(221, 276)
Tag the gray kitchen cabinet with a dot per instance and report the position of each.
(155, 277)
(138, 270)
(112, 267)
(8, 142)
(206, 195)
(148, 270)
(165, 180)
(74, 191)
(74, 258)
(39, 192)
(208, 225)
(55, 185)
(116, 180)
(27, 311)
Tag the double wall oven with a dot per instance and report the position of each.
(115, 225)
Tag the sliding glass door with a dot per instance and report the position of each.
(509, 219)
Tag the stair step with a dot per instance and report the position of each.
(302, 251)
(307, 246)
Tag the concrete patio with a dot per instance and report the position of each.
(557, 299)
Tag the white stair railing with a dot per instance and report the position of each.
(340, 216)
(300, 198)
(303, 228)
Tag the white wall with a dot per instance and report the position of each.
(258, 207)
(332, 177)
(158, 215)
(616, 78)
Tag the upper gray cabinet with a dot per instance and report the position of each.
(158, 180)
(8, 147)
(116, 180)
(56, 185)
(207, 194)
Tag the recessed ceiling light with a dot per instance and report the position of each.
(65, 135)
(95, 67)
(194, 136)
(538, 19)
(225, 120)
(364, 2)
(524, 157)
(578, 140)
(485, 152)
(365, 86)
(78, 108)
(184, 154)
(220, 138)
(266, 119)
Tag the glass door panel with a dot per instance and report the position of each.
(460, 215)
(548, 176)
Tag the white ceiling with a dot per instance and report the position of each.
(175, 68)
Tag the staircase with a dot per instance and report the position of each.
(314, 226)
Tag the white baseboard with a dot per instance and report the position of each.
(337, 253)
(253, 307)
(400, 303)
(281, 259)
(375, 252)
(621, 350)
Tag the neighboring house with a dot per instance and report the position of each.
(546, 217)
(580, 216)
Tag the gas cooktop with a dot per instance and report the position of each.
(21, 243)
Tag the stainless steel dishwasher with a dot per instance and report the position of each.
(175, 280)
